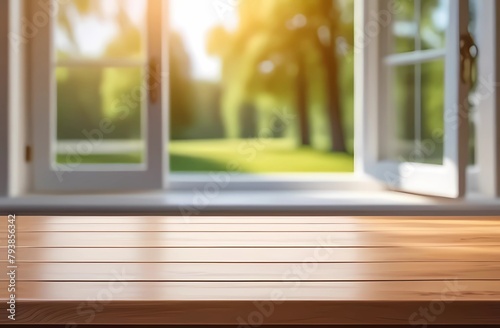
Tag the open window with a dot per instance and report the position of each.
(412, 77)
(83, 91)
(413, 89)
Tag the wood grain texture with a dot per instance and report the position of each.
(442, 237)
(232, 270)
(408, 220)
(308, 270)
(244, 227)
(117, 288)
(255, 313)
(257, 255)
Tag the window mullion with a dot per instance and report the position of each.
(414, 57)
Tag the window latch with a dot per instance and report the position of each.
(468, 56)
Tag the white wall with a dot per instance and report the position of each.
(14, 177)
(19, 101)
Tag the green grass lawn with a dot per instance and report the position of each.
(246, 156)
(249, 156)
(131, 158)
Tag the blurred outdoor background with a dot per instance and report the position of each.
(255, 85)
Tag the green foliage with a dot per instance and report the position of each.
(275, 45)
(203, 118)
(86, 97)
(77, 110)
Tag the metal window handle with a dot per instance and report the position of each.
(468, 57)
(154, 79)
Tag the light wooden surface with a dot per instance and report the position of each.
(275, 272)
(305, 270)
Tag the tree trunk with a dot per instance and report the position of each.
(302, 103)
(334, 108)
(248, 121)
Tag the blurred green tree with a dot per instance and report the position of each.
(276, 41)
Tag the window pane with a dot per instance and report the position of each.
(432, 102)
(403, 104)
(420, 25)
(100, 105)
(418, 102)
(433, 23)
(100, 29)
(99, 115)
(253, 91)
(404, 27)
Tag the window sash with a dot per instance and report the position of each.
(373, 117)
(50, 177)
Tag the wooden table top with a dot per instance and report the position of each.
(249, 270)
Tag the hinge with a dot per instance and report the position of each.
(28, 154)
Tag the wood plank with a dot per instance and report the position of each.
(261, 255)
(249, 227)
(256, 314)
(386, 269)
(249, 239)
(456, 220)
(308, 270)
(117, 289)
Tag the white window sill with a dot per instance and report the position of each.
(226, 182)
(186, 203)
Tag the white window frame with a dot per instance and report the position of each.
(49, 176)
(447, 180)
(488, 96)
(486, 162)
